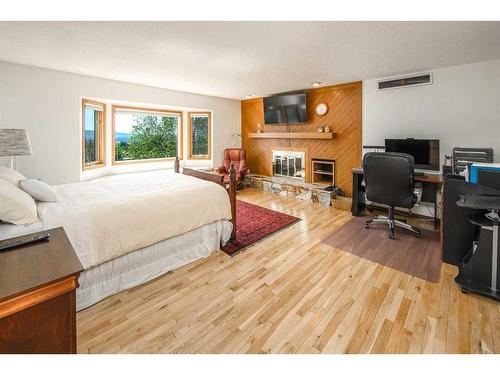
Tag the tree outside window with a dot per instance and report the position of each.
(142, 136)
(199, 135)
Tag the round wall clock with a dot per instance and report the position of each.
(321, 109)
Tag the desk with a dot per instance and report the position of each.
(430, 182)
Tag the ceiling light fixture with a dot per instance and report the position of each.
(316, 83)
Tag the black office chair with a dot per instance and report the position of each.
(390, 180)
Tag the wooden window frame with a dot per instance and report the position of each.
(116, 107)
(190, 155)
(101, 147)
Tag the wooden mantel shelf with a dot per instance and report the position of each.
(295, 135)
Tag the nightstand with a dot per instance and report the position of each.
(37, 296)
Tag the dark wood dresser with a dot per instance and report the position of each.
(37, 296)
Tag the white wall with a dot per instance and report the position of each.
(47, 103)
(461, 108)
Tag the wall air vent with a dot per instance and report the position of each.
(415, 80)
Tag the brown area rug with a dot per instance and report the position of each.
(254, 223)
(420, 257)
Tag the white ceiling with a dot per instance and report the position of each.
(234, 59)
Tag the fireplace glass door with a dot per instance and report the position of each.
(288, 164)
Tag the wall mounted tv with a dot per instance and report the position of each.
(424, 151)
(285, 108)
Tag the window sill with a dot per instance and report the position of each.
(93, 166)
(141, 161)
(208, 157)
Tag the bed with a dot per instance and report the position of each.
(128, 229)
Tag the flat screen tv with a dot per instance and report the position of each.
(285, 108)
(424, 151)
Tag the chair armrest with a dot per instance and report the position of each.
(221, 169)
(479, 201)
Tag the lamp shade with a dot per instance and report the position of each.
(14, 142)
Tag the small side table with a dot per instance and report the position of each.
(37, 296)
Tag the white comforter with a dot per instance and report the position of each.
(111, 216)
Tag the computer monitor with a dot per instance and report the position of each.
(424, 151)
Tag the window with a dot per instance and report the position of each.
(145, 134)
(200, 135)
(93, 134)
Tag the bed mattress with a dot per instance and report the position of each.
(114, 215)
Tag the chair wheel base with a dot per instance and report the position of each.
(392, 224)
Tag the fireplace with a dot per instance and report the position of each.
(289, 164)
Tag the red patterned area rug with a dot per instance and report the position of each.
(254, 223)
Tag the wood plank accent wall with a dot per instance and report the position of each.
(343, 117)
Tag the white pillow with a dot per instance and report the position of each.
(16, 207)
(39, 190)
(11, 175)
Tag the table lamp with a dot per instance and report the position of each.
(13, 143)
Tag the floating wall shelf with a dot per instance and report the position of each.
(294, 135)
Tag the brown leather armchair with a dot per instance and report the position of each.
(237, 157)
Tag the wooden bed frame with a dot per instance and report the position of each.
(218, 179)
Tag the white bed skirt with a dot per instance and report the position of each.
(140, 266)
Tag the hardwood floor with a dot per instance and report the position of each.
(292, 294)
